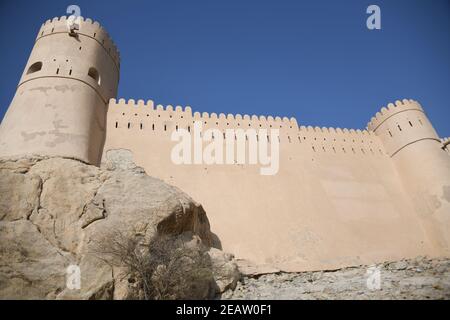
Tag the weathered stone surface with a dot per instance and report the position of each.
(30, 266)
(419, 278)
(21, 194)
(54, 210)
(226, 273)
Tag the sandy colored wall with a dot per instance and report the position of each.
(424, 167)
(337, 199)
(59, 110)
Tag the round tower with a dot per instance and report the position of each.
(423, 166)
(60, 104)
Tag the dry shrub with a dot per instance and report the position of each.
(168, 267)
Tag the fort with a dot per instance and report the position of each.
(341, 197)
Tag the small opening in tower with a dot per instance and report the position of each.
(93, 73)
(390, 133)
(70, 72)
(35, 67)
(420, 121)
(129, 125)
(399, 128)
(410, 123)
(116, 124)
(57, 71)
(141, 126)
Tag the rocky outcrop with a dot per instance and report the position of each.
(53, 211)
(419, 278)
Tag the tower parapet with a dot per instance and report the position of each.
(402, 124)
(61, 101)
(88, 28)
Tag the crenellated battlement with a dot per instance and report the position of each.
(392, 109)
(88, 28)
(142, 108)
(145, 117)
(187, 110)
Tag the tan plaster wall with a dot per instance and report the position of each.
(337, 199)
(60, 110)
(424, 167)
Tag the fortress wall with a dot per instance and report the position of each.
(336, 201)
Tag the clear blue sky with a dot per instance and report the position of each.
(314, 60)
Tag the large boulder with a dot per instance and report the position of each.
(54, 212)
